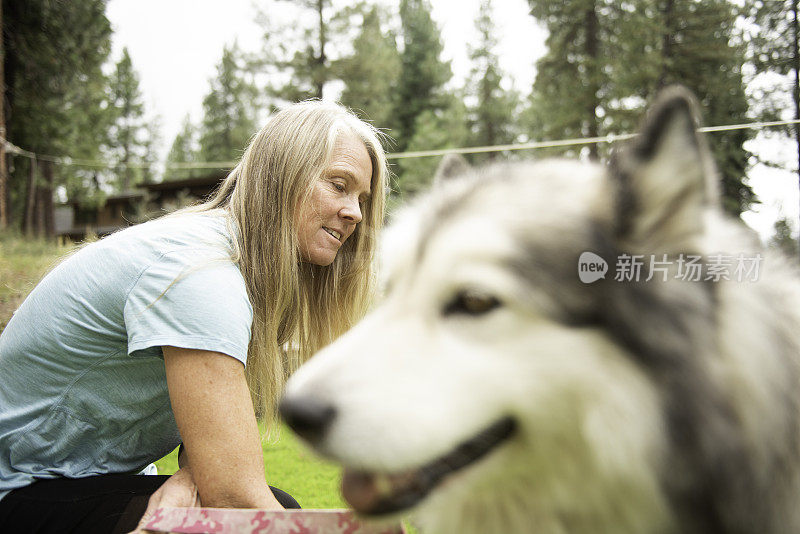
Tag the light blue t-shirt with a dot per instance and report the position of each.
(82, 382)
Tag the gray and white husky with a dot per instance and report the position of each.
(505, 385)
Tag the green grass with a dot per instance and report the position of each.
(289, 466)
(23, 262)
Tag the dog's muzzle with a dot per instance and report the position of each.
(374, 493)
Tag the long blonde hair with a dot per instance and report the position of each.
(297, 307)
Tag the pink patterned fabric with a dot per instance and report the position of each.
(237, 521)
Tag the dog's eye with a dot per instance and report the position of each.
(471, 303)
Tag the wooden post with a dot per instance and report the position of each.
(30, 200)
(48, 208)
(796, 88)
(3, 168)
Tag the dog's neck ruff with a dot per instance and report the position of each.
(373, 493)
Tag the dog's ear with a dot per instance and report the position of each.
(451, 166)
(664, 180)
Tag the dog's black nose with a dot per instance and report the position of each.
(308, 417)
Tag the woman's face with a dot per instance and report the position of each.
(334, 206)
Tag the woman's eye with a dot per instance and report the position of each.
(339, 187)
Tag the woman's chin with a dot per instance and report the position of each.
(321, 258)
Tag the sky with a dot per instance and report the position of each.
(175, 46)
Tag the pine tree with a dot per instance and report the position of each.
(433, 130)
(775, 51)
(150, 149)
(492, 115)
(371, 72)
(55, 89)
(570, 76)
(422, 73)
(309, 63)
(184, 149)
(774, 41)
(782, 238)
(129, 137)
(228, 114)
(700, 50)
(300, 59)
(606, 60)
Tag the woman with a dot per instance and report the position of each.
(139, 341)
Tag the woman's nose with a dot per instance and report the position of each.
(351, 211)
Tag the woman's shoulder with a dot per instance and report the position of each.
(208, 232)
(161, 250)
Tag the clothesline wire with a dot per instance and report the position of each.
(611, 138)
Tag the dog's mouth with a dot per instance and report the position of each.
(373, 493)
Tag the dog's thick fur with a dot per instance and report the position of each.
(613, 407)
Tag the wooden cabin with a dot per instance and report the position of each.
(75, 221)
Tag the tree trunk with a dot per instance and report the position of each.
(486, 95)
(666, 43)
(126, 170)
(41, 212)
(320, 81)
(30, 201)
(48, 207)
(3, 168)
(796, 92)
(38, 220)
(593, 77)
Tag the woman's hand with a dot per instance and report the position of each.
(178, 491)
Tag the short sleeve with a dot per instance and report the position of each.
(192, 300)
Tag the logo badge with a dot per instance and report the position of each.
(591, 267)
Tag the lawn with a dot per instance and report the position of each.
(289, 466)
(23, 262)
(314, 483)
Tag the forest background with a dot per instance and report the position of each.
(79, 128)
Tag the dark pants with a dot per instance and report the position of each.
(99, 504)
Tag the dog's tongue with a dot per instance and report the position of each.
(375, 493)
(360, 489)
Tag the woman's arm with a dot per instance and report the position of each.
(214, 413)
